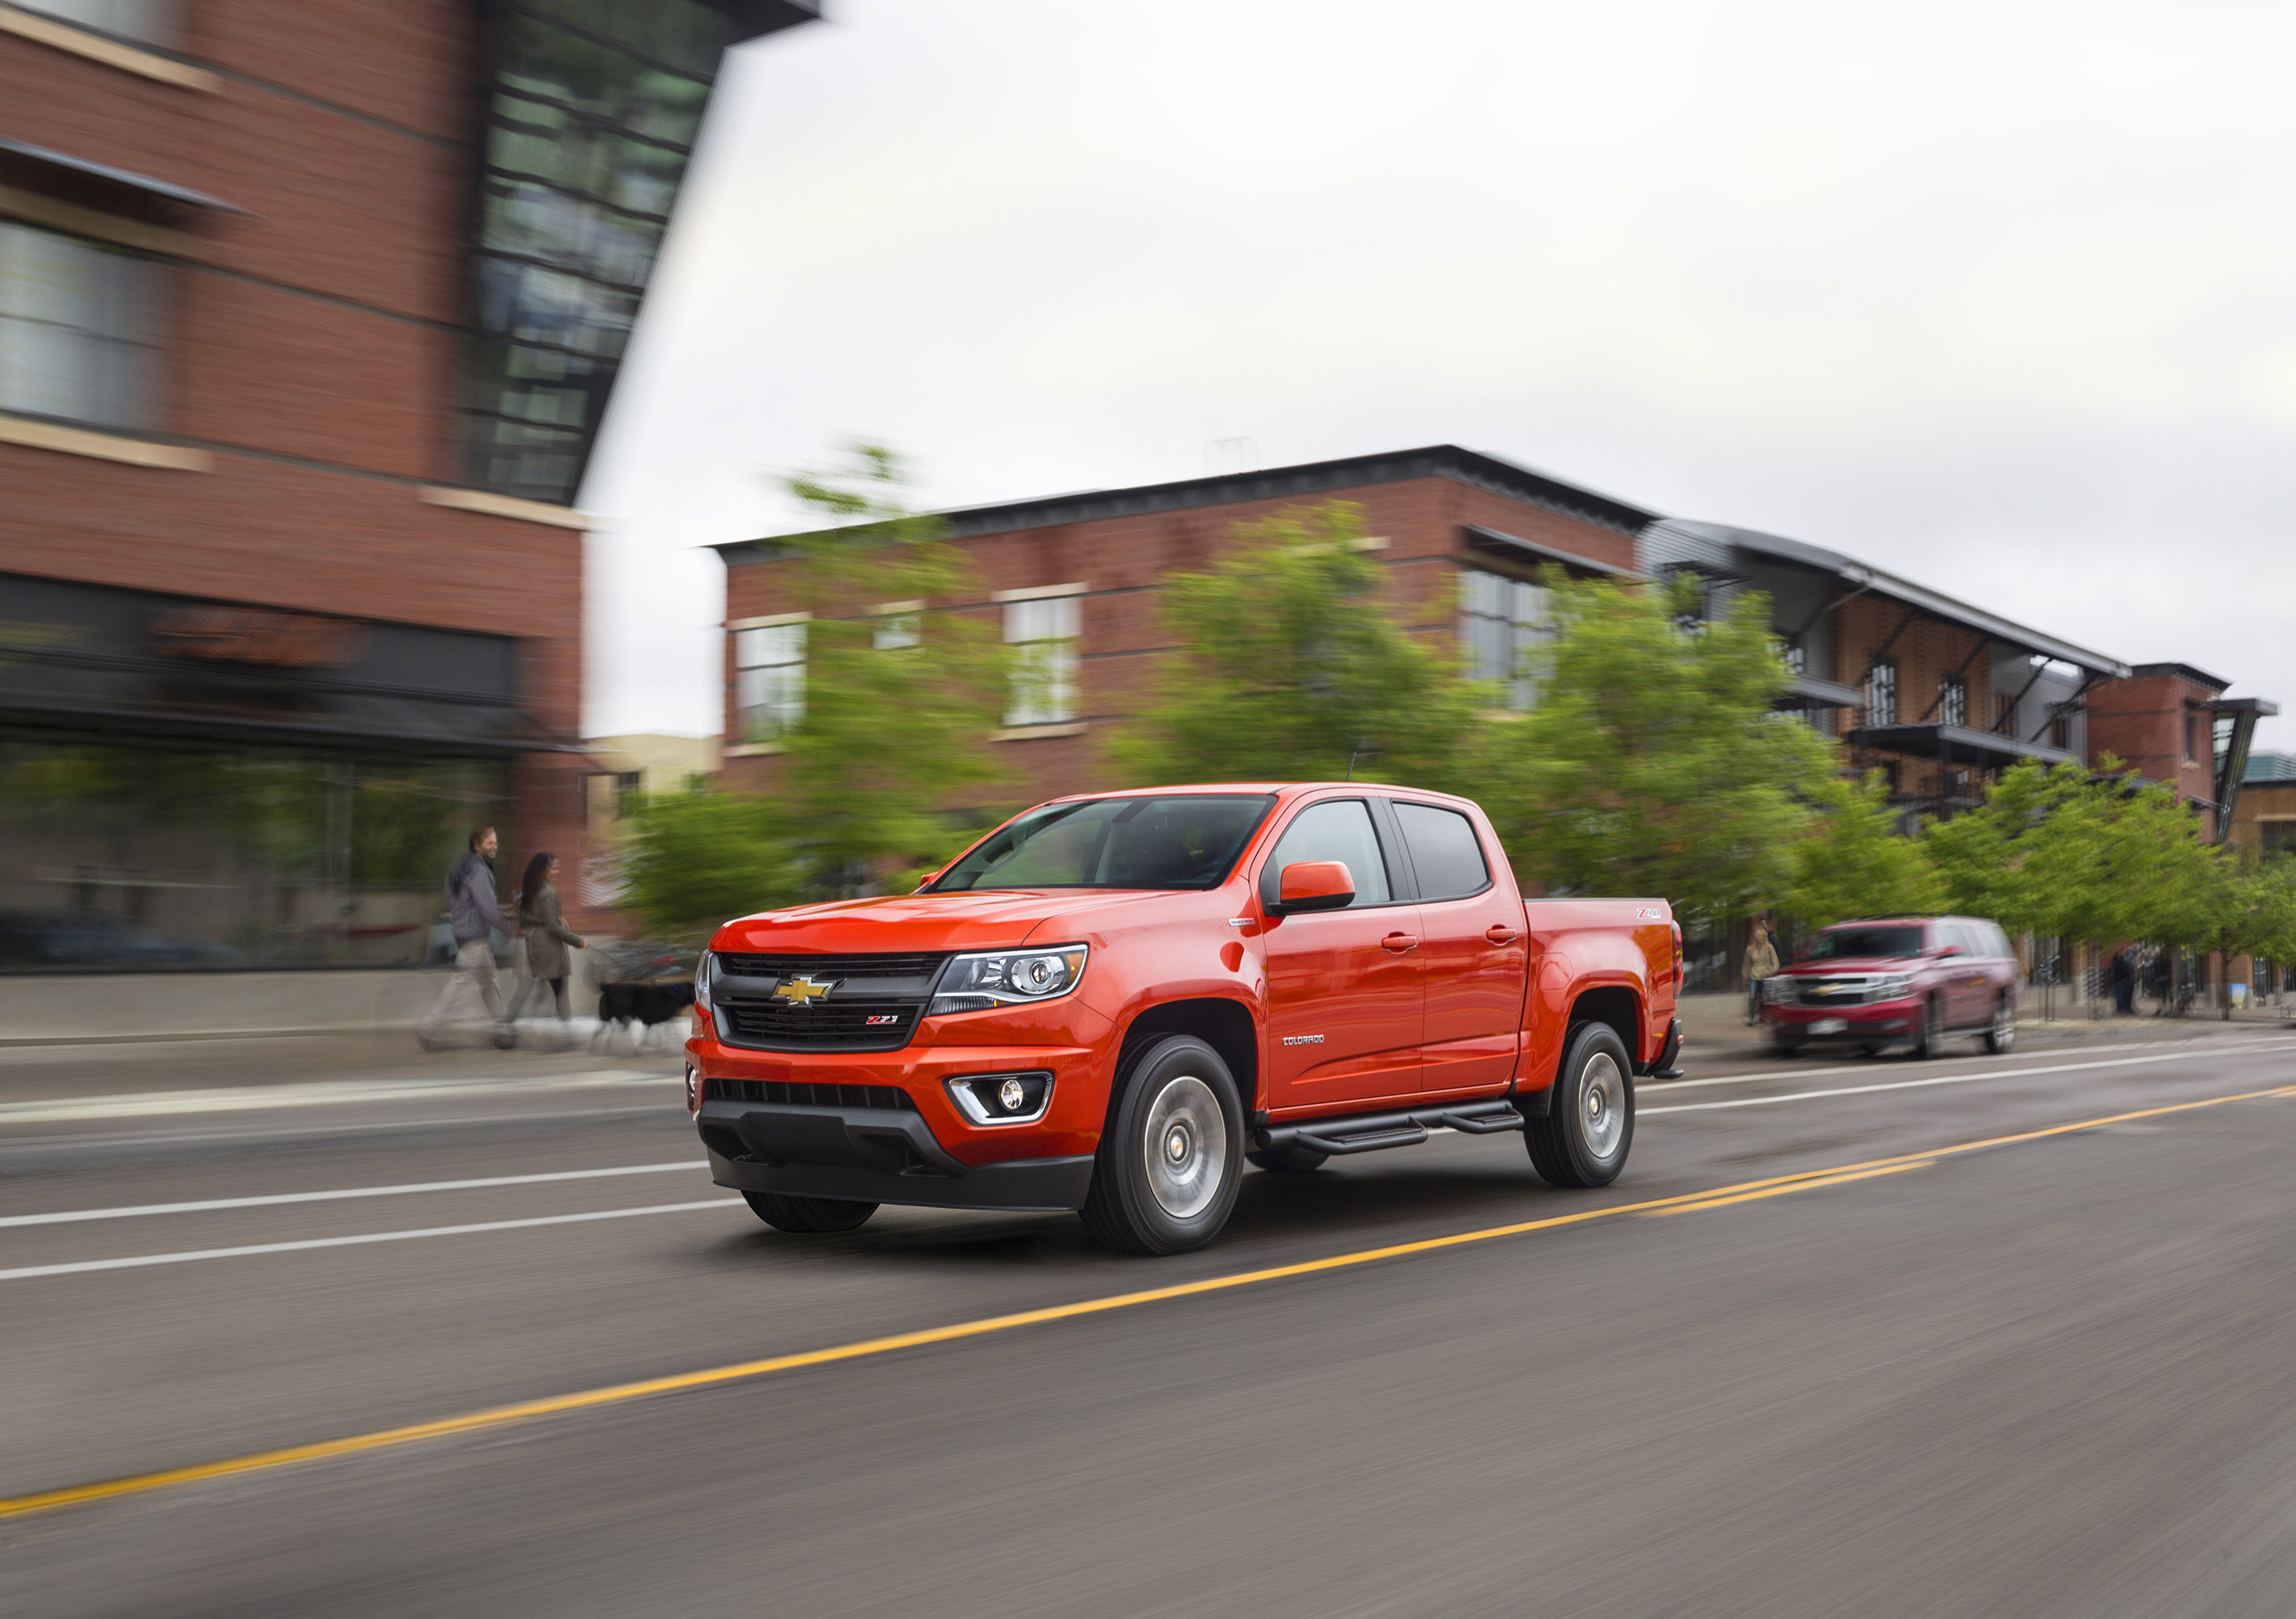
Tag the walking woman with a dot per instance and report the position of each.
(1761, 963)
(547, 935)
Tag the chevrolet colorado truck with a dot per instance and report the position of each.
(1112, 1002)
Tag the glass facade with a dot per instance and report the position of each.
(592, 110)
(135, 856)
(1500, 620)
(79, 330)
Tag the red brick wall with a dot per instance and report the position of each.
(2141, 721)
(1124, 561)
(312, 349)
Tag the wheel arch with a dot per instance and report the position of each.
(1616, 1005)
(1226, 1025)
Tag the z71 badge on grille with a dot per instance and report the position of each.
(878, 1020)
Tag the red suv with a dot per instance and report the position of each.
(1899, 981)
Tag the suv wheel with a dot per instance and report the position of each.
(1931, 1042)
(1590, 1119)
(1172, 1154)
(2000, 1033)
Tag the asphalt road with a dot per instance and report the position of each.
(2052, 1376)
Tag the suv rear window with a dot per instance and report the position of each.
(1840, 943)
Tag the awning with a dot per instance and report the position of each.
(1810, 692)
(1958, 744)
(1492, 542)
(40, 167)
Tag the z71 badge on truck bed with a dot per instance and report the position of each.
(1110, 1004)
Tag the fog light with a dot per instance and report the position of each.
(1002, 1099)
(692, 1089)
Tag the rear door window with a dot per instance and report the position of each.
(1446, 857)
(1339, 829)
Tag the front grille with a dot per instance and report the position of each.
(825, 1025)
(1835, 992)
(832, 966)
(792, 1093)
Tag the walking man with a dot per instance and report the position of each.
(1761, 963)
(472, 907)
(2124, 981)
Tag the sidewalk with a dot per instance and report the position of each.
(1714, 1029)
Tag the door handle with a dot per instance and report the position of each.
(1399, 942)
(1499, 932)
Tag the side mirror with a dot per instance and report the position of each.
(1944, 950)
(1315, 885)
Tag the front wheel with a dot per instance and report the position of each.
(1932, 1041)
(2000, 1033)
(1172, 1155)
(808, 1216)
(1590, 1119)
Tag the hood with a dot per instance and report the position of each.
(996, 919)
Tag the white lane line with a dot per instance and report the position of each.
(1942, 1079)
(254, 1098)
(24, 1272)
(2186, 1045)
(130, 1212)
(87, 1140)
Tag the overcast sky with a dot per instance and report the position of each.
(2001, 296)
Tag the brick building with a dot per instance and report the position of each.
(309, 312)
(2172, 722)
(1463, 536)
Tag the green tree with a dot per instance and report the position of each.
(897, 706)
(2251, 909)
(1289, 668)
(1855, 862)
(1654, 763)
(696, 858)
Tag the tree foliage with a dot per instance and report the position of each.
(1288, 667)
(897, 706)
(1654, 763)
(696, 858)
(1855, 861)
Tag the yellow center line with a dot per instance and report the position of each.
(141, 1483)
(1780, 1191)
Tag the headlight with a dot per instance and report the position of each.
(701, 981)
(1005, 978)
(1776, 991)
(1892, 988)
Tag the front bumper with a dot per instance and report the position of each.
(1878, 1023)
(901, 1139)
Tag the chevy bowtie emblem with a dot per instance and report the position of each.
(803, 991)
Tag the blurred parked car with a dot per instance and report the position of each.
(100, 939)
(1900, 981)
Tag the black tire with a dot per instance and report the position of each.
(1287, 1161)
(2000, 1033)
(1178, 1101)
(808, 1216)
(1780, 1046)
(1931, 1042)
(1869, 1051)
(1589, 1123)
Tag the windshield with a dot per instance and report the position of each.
(1181, 841)
(1839, 943)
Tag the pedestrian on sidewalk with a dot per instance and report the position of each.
(547, 939)
(475, 912)
(2124, 981)
(1761, 963)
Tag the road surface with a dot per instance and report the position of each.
(1850, 1361)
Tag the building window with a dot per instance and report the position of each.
(892, 634)
(1500, 620)
(1882, 692)
(769, 680)
(79, 330)
(2192, 737)
(591, 113)
(629, 786)
(2060, 732)
(1795, 656)
(150, 21)
(1953, 699)
(1043, 636)
(2277, 836)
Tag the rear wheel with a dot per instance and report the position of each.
(808, 1216)
(1172, 1154)
(2000, 1033)
(1590, 1120)
(1288, 1159)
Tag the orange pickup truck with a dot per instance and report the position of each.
(1112, 1002)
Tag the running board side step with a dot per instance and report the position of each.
(1370, 1132)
